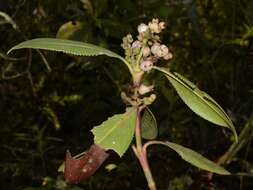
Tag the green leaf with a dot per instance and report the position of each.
(70, 30)
(61, 167)
(198, 101)
(194, 158)
(68, 46)
(149, 125)
(65, 46)
(117, 132)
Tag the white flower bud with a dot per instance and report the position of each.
(143, 89)
(146, 65)
(155, 26)
(129, 38)
(142, 28)
(162, 25)
(149, 100)
(146, 52)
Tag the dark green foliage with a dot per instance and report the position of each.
(42, 117)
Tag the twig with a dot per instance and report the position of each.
(9, 20)
(244, 137)
(29, 75)
(7, 58)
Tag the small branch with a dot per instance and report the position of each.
(9, 20)
(28, 73)
(244, 137)
(44, 60)
(5, 57)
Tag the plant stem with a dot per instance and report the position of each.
(141, 153)
(244, 138)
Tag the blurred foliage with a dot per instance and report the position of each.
(45, 113)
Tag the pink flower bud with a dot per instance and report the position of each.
(146, 52)
(136, 44)
(155, 48)
(146, 65)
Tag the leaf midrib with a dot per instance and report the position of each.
(71, 43)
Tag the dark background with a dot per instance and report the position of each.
(42, 113)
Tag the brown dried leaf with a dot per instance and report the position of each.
(79, 169)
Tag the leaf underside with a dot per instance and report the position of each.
(65, 46)
(195, 158)
(199, 102)
(117, 132)
(149, 125)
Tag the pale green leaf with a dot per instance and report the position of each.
(198, 101)
(117, 132)
(110, 167)
(70, 30)
(61, 167)
(68, 46)
(65, 46)
(194, 158)
(149, 125)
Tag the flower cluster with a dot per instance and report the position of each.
(147, 49)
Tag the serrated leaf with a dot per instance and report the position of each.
(149, 125)
(198, 101)
(117, 132)
(195, 158)
(66, 46)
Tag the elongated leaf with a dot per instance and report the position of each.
(198, 101)
(149, 125)
(65, 46)
(117, 132)
(194, 158)
(68, 46)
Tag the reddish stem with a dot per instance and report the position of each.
(141, 153)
